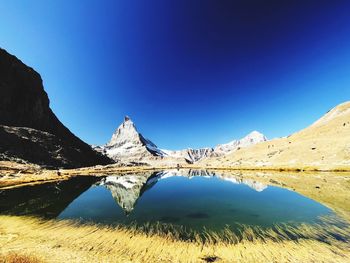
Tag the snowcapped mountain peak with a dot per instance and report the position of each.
(255, 133)
(252, 138)
(127, 118)
(128, 145)
(125, 132)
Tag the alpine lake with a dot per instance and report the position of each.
(193, 200)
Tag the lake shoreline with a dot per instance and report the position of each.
(329, 188)
(72, 241)
(16, 175)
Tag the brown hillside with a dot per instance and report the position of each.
(325, 145)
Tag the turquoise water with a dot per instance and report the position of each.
(198, 202)
(211, 201)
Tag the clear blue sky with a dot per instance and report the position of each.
(189, 73)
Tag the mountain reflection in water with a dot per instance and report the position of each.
(127, 189)
(46, 200)
(190, 198)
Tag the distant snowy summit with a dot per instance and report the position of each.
(252, 138)
(127, 145)
(194, 155)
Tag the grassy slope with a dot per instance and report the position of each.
(325, 145)
(60, 241)
(15, 174)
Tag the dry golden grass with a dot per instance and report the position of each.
(16, 174)
(325, 145)
(12, 173)
(19, 258)
(62, 241)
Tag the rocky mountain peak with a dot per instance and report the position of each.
(125, 133)
(128, 144)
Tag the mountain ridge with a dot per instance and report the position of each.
(128, 144)
(26, 118)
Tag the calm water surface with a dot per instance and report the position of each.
(188, 198)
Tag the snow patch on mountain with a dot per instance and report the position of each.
(195, 155)
(252, 138)
(127, 145)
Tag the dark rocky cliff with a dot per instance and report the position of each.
(24, 103)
